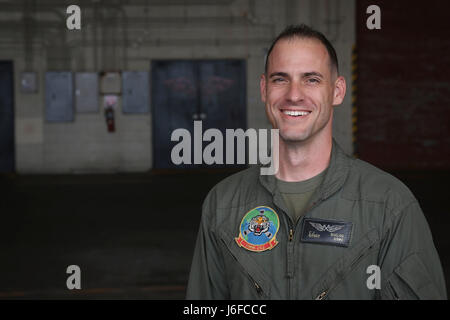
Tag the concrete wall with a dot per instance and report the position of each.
(128, 37)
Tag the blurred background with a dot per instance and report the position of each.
(86, 117)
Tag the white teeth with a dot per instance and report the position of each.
(295, 113)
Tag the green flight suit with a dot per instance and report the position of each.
(385, 228)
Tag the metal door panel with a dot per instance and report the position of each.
(58, 96)
(136, 89)
(86, 92)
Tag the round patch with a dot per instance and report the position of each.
(258, 229)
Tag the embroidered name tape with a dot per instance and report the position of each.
(258, 229)
(326, 232)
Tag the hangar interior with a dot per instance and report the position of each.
(86, 117)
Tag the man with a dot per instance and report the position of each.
(325, 226)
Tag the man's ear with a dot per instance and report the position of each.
(262, 87)
(340, 88)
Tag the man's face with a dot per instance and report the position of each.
(300, 89)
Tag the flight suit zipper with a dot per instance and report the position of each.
(291, 250)
(290, 257)
(258, 288)
(299, 222)
(393, 292)
(322, 295)
(291, 226)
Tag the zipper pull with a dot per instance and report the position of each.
(258, 288)
(322, 295)
(291, 235)
(394, 293)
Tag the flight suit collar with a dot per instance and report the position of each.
(333, 180)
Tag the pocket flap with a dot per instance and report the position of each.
(414, 273)
(344, 265)
(247, 262)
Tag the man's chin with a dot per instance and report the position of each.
(293, 138)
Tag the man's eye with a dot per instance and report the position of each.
(278, 80)
(313, 80)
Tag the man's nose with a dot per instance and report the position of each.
(295, 92)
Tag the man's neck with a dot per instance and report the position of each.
(300, 161)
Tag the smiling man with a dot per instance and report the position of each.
(325, 226)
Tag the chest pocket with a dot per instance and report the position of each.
(247, 278)
(411, 281)
(344, 265)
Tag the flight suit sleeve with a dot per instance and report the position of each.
(410, 267)
(207, 275)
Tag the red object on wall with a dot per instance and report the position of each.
(403, 87)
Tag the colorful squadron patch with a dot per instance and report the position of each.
(258, 229)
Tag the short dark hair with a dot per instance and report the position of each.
(304, 31)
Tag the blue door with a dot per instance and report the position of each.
(211, 91)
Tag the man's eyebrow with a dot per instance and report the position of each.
(305, 74)
(313, 73)
(278, 74)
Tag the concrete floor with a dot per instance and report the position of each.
(132, 235)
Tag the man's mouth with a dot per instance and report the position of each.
(295, 113)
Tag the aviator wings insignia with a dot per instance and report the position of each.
(328, 227)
